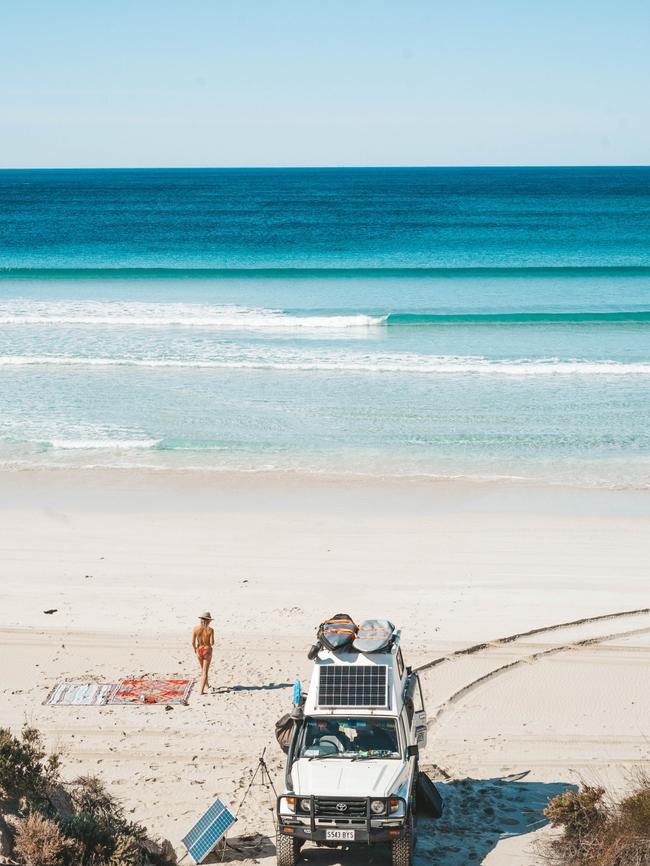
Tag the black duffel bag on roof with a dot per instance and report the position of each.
(337, 632)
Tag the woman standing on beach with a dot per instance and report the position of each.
(202, 643)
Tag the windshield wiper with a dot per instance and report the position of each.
(322, 757)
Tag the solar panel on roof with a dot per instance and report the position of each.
(207, 831)
(358, 686)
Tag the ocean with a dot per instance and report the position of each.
(474, 323)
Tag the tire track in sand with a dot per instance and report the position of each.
(501, 641)
(460, 693)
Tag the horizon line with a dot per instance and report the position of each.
(318, 167)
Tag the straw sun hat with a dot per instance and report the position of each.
(205, 615)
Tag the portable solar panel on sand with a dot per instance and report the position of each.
(208, 830)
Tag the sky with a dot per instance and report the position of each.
(336, 82)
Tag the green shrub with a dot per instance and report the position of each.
(25, 770)
(95, 841)
(635, 812)
(89, 795)
(127, 852)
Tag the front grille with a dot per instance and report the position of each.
(327, 808)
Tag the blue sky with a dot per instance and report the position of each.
(278, 82)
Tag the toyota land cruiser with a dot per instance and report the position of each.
(352, 764)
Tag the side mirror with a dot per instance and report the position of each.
(413, 752)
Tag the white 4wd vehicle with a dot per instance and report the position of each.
(352, 765)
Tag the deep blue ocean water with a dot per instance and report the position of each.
(447, 322)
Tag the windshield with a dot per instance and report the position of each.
(343, 737)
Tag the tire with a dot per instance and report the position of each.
(428, 796)
(287, 849)
(402, 846)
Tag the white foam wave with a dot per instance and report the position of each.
(414, 364)
(103, 444)
(135, 314)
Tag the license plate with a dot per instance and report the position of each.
(339, 835)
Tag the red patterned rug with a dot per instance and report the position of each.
(152, 692)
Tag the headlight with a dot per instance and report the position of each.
(377, 807)
(305, 805)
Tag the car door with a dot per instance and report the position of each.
(419, 715)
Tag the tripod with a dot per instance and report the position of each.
(265, 779)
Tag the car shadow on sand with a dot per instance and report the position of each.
(478, 814)
(266, 687)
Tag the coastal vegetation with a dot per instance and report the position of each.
(599, 831)
(45, 821)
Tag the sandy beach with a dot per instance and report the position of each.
(128, 559)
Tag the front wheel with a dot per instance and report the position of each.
(402, 846)
(287, 849)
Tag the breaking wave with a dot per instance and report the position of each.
(350, 363)
(135, 314)
(144, 315)
(102, 444)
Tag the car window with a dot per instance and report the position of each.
(418, 702)
(347, 737)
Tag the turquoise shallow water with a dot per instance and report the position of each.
(481, 323)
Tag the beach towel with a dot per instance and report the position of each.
(152, 692)
(80, 694)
